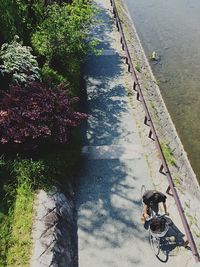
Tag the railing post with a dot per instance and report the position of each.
(161, 168)
(145, 121)
(150, 134)
(122, 43)
(168, 189)
(114, 13)
(117, 25)
(138, 96)
(134, 86)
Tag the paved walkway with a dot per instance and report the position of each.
(110, 233)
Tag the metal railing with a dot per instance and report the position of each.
(153, 135)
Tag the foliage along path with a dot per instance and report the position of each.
(114, 168)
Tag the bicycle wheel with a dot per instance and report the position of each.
(155, 243)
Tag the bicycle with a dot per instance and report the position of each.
(154, 236)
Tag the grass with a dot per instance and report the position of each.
(152, 105)
(4, 236)
(20, 238)
(168, 155)
(5, 210)
(16, 211)
(176, 180)
(197, 235)
(138, 67)
(19, 179)
(192, 219)
(187, 204)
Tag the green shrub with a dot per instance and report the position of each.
(19, 65)
(61, 162)
(52, 76)
(63, 36)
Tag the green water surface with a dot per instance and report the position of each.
(172, 29)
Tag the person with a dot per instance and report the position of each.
(151, 199)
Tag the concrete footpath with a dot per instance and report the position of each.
(108, 198)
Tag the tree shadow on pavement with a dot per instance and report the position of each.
(107, 198)
(107, 205)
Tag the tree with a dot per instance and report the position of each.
(36, 115)
(63, 36)
(19, 17)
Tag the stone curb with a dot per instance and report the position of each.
(53, 230)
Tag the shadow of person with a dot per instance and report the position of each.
(173, 239)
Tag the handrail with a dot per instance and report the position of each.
(148, 121)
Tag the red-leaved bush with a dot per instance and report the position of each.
(37, 114)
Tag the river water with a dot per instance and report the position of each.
(172, 29)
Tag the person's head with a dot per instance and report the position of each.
(155, 225)
(158, 224)
(156, 197)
